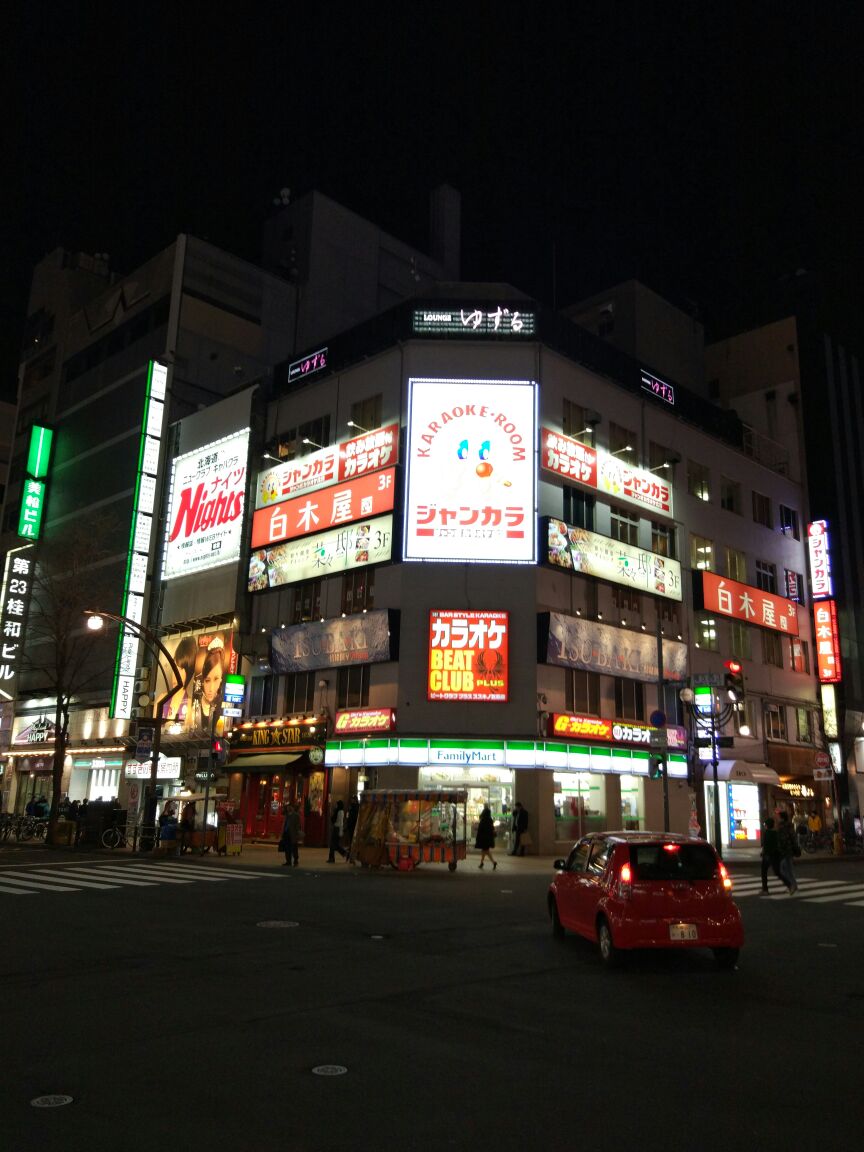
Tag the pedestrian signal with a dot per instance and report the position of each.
(219, 750)
(733, 681)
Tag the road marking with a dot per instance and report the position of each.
(16, 891)
(45, 887)
(63, 877)
(221, 873)
(113, 874)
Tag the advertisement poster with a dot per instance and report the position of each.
(574, 642)
(328, 553)
(360, 639)
(613, 731)
(468, 655)
(578, 550)
(828, 664)
(370, 495)
(603, 472)
(471, 488)
(364, 720)
(203, 660)
(752, 605)
(205, 509)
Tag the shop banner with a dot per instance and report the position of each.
(568, 725)
(364, 720)
(827, 642)
(743, 602)
(326, 554)
(572, 642)
(340, 504)
(581, 464)
(361, 639)
(579, 550)
(468, 655)
(819, 552)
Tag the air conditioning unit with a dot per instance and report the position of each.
(143, 685)
(143, 674)
(134, 713)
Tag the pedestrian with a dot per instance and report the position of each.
(789, 849)
(520, 828)
(486, 837)
(187, 826)
(337, 827)
(351, 821)
(290, 842)
(770, 855)
(80, 821)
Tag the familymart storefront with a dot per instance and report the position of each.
(567, 788)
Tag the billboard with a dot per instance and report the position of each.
(578, 550)
(743, 602)
(468, 655)
(602, 472)
(361, 639)
(203, 659)
(819, 553)
(205, 506)
(368, 495)
(573, 642)
(471, 487)
(613, 731)
(828, 664)
(328, 553)
(350, 720)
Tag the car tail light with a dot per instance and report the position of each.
(625, 882)
(725, 878)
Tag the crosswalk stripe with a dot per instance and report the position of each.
(221, 873)
(145, 870)
(55, 878)
(111, 874)
(45, 887)
(829, 898)
(17, 891)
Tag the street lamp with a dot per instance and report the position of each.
(95, 621)
(709, 722)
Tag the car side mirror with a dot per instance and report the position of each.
(559, 865)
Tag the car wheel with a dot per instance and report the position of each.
(726, 957)
(608, 951)
(557, 926)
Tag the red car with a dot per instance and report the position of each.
(646, 890)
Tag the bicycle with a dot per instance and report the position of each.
(816, 842)
(30, 827)
(118, 836)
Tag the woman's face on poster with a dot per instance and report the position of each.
(211, 683)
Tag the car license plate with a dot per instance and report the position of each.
(683, 932)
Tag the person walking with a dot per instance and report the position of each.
(187, 826)
(486, 837)
(770, 856)
(290, 842)
(789, 849)
(520, 828)
(351, 822)
(81, 821)
(337, 827)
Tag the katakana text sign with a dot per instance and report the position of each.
(828, 664)
(579, 463)
(325, 554)
(612, 731)
(468, 655)
(819, 553)
(752, 605)
(370, 495)
(579, 550)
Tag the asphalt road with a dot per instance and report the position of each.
(174, 1015)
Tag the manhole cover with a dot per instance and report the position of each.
(506, 891)
(54, 1101)
(826, 945)
(376, 937)
(329, 1070)
(278, 924)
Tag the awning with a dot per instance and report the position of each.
(742, 772)
(263, 762)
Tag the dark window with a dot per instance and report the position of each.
(261, 695)
(300, 692)
(629, 699)
(789, 522)
(352, 687)
(574, 422)
(366, 414)
(766, 576)
(663, 539)
(672, 861)
(599, 857)
(772, 649)
(626, 599)
(583, 692)
(762, 510)
(358, 590)
(307, 602)
(623, 527)
(578, 508)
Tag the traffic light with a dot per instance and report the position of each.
(733, 681)
(656, 767)
(219, 750)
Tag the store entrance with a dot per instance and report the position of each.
(265, 800)
(499, 797)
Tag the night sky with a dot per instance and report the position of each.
(711, 149)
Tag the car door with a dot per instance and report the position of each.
(592, 886)
(567, 883)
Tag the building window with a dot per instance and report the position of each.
(623, 527)
(662, 460)
(262, 696)
(789, 522)
(744, 716)
(762, 510)
(766, 576)
(804, 725)
(663, 539)
(352, 687)
(775, 722)
(307, 602)
(698, 480)
(799, 655)
(794, 586)
(358, 590)
(701, 554)
(300, 692)
(626, 599)
(736, 565)
(623, 443)
(730, 495)
(740, 640)
(366, 414)
(772, 649)
(706, 633)
(583, 692)
(578, 508)
(629, 699)
(574, 422)
(667, 611)
(289, 444)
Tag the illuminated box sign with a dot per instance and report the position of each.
(328, 553)
(363, 638)
(820, 560)
(602, 472)
(468, 655)
(579, 550)
(471, 487)
(364, 720)
(308, 365)
(235, 688)
(743, 602)
(33, 490)
(348, 461)
(370, 495)
(574, 642)
(658, 388)
(168, 768)
(828, 664)
(496, 321)
(205, 507)
(612, 731)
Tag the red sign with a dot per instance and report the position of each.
(612, 731)
(568, 458)
(339, 504)
(822, 760)
(752, 605)
(604, 472)
(364, 720)
(468, 655)
(827, 642)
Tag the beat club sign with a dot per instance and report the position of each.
(471, 489)
(468, 655)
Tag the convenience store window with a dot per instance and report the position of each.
(580, 804)
(632, 803)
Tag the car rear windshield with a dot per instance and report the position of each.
(665, 861)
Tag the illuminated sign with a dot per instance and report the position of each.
(362, 638)
(828, 664)
(468, 655)
(235, 688)
(140, 534)
(579, 550)
(573, 642)
(348, 461)
(364, 720)
(820, 560)
(33, 489)
(742, 602)
(41, 731)
(612, 731)
(370, 495)
(355, 546)
(602, 472)
(308, 365)
(204, 660)
(471, 489)
(830, 720)
(658, 388)
(18, 573)
(205, 507)
(497, 321)
(168, 768)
